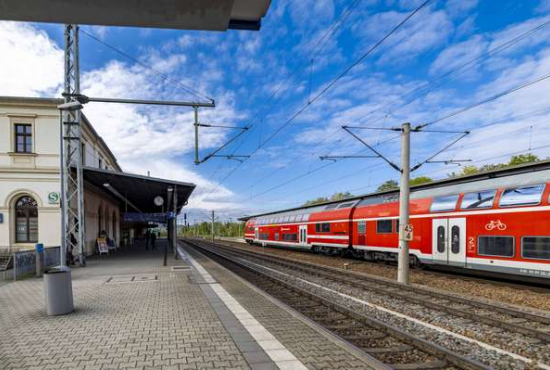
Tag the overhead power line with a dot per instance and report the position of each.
(157, 72)
(330, 85)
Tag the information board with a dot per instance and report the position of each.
(102, 246)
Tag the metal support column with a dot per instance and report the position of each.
(72, 191)
(403, 258)
(175, 228)
(197, 159)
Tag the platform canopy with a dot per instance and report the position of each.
(209, 15)
(137, 192)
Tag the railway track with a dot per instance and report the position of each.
(532, 284)
(392, 347)
(517, 321)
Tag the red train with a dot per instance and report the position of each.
(496, 221)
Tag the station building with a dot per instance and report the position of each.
(30, 181)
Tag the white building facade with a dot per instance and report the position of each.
(30, 178)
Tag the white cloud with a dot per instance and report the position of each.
(142, 137)
(460, 7)
(458, 54)
(31, 63)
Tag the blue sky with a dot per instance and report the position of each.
(262, 79)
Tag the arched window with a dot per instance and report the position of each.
(26, 220)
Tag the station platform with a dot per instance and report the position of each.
(134, 313)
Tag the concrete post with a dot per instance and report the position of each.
(403, 258)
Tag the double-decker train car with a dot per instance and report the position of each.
(496, 221)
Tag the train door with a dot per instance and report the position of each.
(449, 241)
(303, 234)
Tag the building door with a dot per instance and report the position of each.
(449, 241)
(26, 220)
(303, 234)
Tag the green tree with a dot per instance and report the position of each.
(316, 201)
(333, 197)
(523, 158)
(388, 185)
(420, 180)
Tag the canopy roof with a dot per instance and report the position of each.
(210, 15)
(139, 192)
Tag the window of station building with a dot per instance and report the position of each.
(444, 203)
(384, 226)
(536, 247)
(361, 227)
(478, 200)
(100, 163)
(26, 220)
(499, 246)
(322, 228)
(23, 138)
(522, 196)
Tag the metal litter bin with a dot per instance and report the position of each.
(59, 290)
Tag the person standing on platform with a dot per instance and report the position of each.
(153, 240)
(147, 238)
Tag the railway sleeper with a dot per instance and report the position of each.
(385, 330)
(436, 364)
(364, 337)
(394, 349)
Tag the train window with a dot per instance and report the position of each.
(276, 236)
(290, 237)
(384, 226)
(481, 199)
(455, 239)
(379, 200)
(537, 247)
(441, 239)
(331, 206)
(346, 205)
(322, 228)
(445, 203)
(501, 246)
(397, 226)
(525, 195)
(361, 227)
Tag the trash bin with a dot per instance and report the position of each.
(59, 290)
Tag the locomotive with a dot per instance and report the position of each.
(495, 222)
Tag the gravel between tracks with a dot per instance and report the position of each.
(486, 356)
(507, 294)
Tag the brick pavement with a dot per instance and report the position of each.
(169, 323)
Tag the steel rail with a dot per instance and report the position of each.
(342, 276)
(420, 344)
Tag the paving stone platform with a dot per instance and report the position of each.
(131, 312)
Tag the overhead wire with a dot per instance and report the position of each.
(462, 68)
(164, 76)
(329, 86)
(312, 54)
(458, 70)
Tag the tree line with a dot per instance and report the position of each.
(221, 229)
(464, 170)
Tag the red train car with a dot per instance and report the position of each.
(497, 221)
